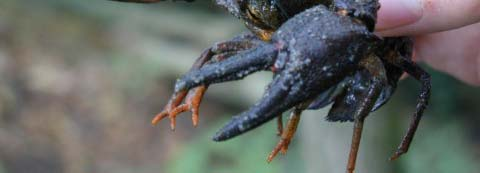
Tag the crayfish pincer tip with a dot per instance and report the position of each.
(220, 136)
(216, 138)
(226, 133)
(233, 128)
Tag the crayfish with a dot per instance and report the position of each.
(320, 52)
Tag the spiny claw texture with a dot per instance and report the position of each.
(304, 70)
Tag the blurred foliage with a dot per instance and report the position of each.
(234, 156)
(80, 80)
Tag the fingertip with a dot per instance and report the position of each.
(435, 16)
(397, 13)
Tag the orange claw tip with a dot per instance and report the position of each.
(155, 121)
(269, 159)
(272, 155)
(395, 156)
(158, 118)
(195, 120)
(172, 126)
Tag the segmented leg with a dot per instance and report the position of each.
(287, 135)
(215, 54)
(360, 114)
(173, 108)
(280, 132)
(418, 73)
(192, 103)
(375, 68)
(279, 125)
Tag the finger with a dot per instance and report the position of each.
(454, 52)
(414, 17)
(396, 13)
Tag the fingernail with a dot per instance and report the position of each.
(396, 13)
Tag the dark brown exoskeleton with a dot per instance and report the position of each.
(320, 51)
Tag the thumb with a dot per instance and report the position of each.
(413, 17)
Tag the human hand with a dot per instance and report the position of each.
(446, 33)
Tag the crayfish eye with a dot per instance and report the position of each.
(265, 17)
(253, 14)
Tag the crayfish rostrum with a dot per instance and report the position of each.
(320, 51)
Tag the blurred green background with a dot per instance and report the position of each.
(80, 81)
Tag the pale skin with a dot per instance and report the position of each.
(446, 33)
